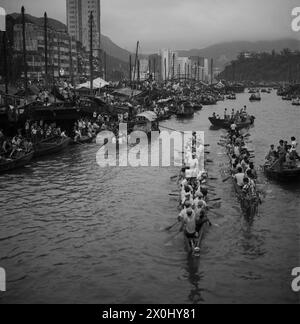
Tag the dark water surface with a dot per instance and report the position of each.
(71, 232)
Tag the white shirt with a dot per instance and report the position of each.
(190, 223)
(240, 179)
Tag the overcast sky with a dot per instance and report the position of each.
(179, 24)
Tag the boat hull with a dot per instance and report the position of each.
(287, 175)
(83, 140)
(45, 149)
(16, 164)
(221, 123)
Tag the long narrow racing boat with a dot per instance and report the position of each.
(193, 246)
(249, 203)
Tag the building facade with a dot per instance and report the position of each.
(61, 49)
(79, 24)
(67, 58)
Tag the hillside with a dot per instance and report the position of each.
(224, 53)
(283, 66)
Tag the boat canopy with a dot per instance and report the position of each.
(149, 115)
(127, 92)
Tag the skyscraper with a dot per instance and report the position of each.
(78, 21)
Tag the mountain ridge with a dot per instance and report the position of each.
(224, 53)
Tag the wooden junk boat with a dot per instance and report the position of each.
(146, 122)
(185, 110)
(222, 123)
(12, 164)
(255, 97)
(296, 102)
(283, 175)
(231, 96)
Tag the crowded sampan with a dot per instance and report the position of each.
(285, 157)
(193, 197)
(283, 163)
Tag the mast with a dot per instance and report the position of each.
(154, 68)
(212, 70)
(91, 51)
(46, 48)
(130, 70)
(165, 64)
(136, 60)
(179, 68)
(71, 63)
(198, 68)
(59, 59)
(24, 51)
(139, 70)
(5, 62)
(173, 67)
(105, 67)
(100, 50)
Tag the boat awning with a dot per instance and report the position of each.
(149, 115)
(127, 92)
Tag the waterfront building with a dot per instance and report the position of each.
(67, 57)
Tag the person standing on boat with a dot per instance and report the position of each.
(294, 146)
(281, 153)
(188, 220)
(271, 156)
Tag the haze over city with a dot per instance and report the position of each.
(179, 24)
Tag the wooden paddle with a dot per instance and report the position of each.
(215, 199)
(225, 180)
(170, 227)
(172, 237)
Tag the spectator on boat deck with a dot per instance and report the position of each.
(281, 149)
(294, 146)
(16, 143)
(271, 156)
(290, 158)
(226, 114)
(294, 143)
(63, 134)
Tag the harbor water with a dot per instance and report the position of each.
(72, 232)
